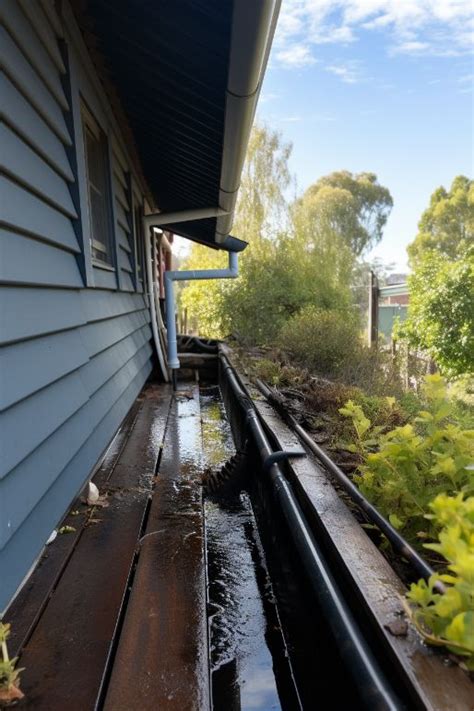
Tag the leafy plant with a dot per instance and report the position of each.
(441, 311)
(405, 468)
(9, 674)
(447, 225)
(448, 619)
(323, 340)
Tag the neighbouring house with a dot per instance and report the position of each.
(111, 112)
(394, 298)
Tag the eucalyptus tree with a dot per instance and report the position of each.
(353, 208)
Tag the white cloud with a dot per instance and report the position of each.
(411, 47)
(436, 27)
(268, 96)
(348, 72)
(295, 55)
(290, 119)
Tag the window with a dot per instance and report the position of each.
(138, 215)
(95, 146)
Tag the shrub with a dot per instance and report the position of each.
(441, 311)
(323, 341)
(448, 619)
(405, 468)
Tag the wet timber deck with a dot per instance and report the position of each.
(114, 616)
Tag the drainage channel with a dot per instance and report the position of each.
(295, 621)
(250, 666)
(270, 645)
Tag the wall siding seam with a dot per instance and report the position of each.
(130, 306)
(19, 27)
(15, 230)
(144, 329)
(53, 118)
(97, 334)
(141, 354)
(22, 183)
(119, 340)
(61, 501)
(35, 148)
(23, 211)
(49, 332)
(43, 29)
(33, 141)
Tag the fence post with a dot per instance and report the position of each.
(373, 326)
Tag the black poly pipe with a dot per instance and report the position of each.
(398, 542)
(209, 348)
(374, 689)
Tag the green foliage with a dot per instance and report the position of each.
(323, 340)
(278, 278)
(9, 675)
(441, 311)
(298, 258)
(448, 619)
(267, 294)
(203, 299)
(261, 205)
(405, 468)
(447, 226)
(273, 371)
(353, 208)
(217, 307)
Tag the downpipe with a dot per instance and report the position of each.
(374, 688)
(232, 272)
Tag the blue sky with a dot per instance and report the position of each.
(376, 85)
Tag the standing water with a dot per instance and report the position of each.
(249, 663)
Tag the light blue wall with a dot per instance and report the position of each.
(75, 339)
(387, 316)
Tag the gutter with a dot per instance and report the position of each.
(253, 28)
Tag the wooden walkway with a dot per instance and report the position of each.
(114, 615)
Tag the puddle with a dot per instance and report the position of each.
(249, 664)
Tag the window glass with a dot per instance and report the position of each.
(138, 213)
(97, 178)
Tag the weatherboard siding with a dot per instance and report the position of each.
(74, 337)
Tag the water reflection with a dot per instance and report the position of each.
(244, 626)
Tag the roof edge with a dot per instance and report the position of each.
(253, 29)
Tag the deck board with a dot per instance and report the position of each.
(162, 657)
(29, 604)
(67, 655)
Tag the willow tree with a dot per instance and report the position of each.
(261, 211)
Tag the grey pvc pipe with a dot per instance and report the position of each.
(153, 313)
(191, 275)
(169, 218)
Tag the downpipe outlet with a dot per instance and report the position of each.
(232, 272)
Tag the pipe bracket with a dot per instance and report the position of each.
(280, 456)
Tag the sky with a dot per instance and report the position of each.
(384, 86)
